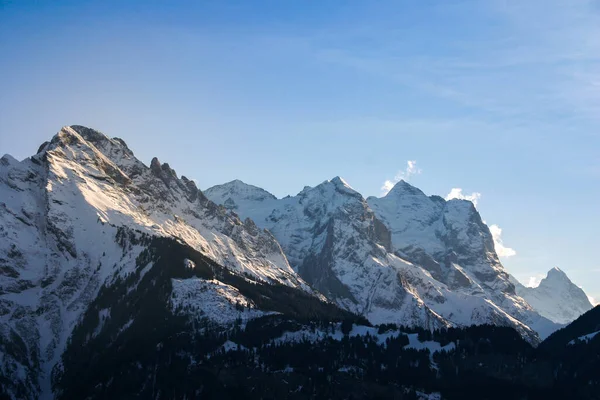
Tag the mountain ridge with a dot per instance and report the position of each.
(334, 203)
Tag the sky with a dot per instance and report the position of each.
(495, 101)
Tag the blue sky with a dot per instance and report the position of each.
(500, 98)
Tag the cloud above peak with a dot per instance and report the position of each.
(502, 250)
(534, 281)
(405, 174)
(457, 193)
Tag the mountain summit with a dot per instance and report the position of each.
(556, 297)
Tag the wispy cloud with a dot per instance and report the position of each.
(501, 249)
(593, 301)
(549, 50)
(457, 193)
(405, 174)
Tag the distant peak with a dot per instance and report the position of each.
(404, 188)
(238, 183)
(239, 188)
(554, 276)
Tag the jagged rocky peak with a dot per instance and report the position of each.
(74, 133)
(163, 171)
(189, 183)
(66, 136)
(168, 176)
(155, 166)
(96, 144)
(89, 134)
(69, 146)
(169, 171)
(98, 138)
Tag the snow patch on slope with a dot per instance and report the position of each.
(221, 303)
(584, 338)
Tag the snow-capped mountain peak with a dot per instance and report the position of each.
(71, 218)
(555, 275)
(238, 190)
(403, 188)
(340, 182)
(556, 297)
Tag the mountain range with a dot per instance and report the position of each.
(405, 258)
(98, 248)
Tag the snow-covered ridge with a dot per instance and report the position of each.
(123, 191)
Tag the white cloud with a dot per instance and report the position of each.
(456, 193)
(534, 281)
(411, 169)
(593, 301)
(502, 250)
